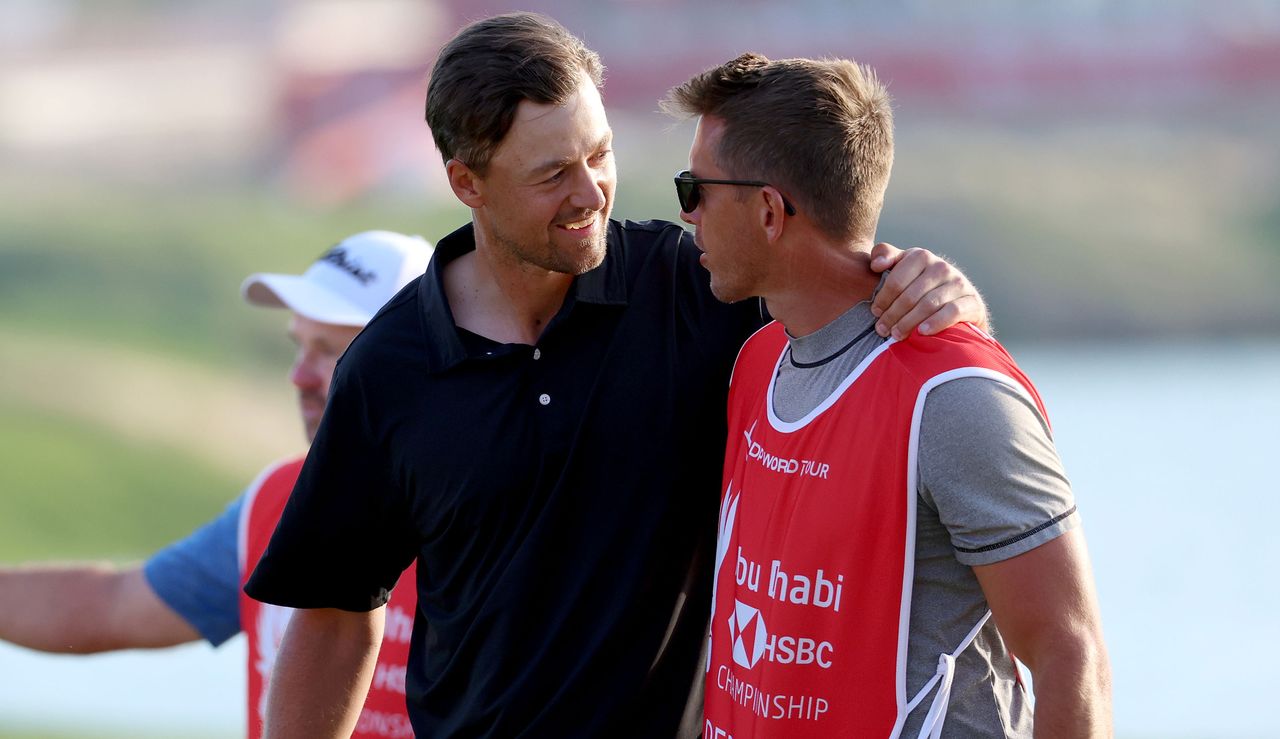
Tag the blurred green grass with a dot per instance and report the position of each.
(161, 270)
(77, 490)
(155, 274)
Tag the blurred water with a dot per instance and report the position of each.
(1170, 451)
(189, 691)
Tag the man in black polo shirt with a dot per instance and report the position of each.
(539, 421)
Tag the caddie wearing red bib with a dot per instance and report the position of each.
(383, 714)
(192, 588)
(818, 528)
(895, 524)
(330, 303)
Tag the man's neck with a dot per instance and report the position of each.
(502, 298)
(821, 286)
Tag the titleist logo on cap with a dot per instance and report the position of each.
(337, 256)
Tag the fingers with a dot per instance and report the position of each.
(905, 286)
(930, 293)
(884, 256)
(923, 290)
(929, 321)
(937, 307)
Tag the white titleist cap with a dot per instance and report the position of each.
(348, 283)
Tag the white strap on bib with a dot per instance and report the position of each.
(932, 726)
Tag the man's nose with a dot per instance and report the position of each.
(588, 193)
(303, 374)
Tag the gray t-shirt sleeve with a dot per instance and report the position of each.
(199, 576)
(989, 468)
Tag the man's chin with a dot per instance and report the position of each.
(311, 424)
(587, 256)
(594, 257)
(726, 293)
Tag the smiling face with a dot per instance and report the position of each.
(548, 190)
(319, 345)
(735, 250)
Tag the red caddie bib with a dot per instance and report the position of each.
(384, 713)
(816, 546)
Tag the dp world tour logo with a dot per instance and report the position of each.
(748, 632)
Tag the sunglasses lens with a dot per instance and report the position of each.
(687, 193)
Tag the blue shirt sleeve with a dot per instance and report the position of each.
(199, 576)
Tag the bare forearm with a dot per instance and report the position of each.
(1045, 606)
(54, 608)
(1073, 693)
(322, 674)
(85, 608)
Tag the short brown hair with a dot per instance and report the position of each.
(821, 131)
(491, 65)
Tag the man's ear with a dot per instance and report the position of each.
(465, 183)
(773, 213)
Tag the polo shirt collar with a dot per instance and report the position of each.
(604, 285)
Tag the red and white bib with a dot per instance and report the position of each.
(384, 713)
(816, 548)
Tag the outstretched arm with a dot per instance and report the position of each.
(923, 290)
(322, 673)
(1044, 604)
(85, 608)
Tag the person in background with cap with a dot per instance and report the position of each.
(191, 589)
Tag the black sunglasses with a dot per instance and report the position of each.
(688, 195)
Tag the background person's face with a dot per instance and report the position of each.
(549, 187)
(319, 347)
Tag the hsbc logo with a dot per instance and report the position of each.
(752, 641)
(748, 632)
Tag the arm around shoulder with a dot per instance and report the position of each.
(1044, 603)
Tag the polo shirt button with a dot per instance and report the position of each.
(537, 354)
(544, 399)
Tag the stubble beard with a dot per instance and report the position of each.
(310, 425)
(725, 294)
(741, 281)
(586, 255)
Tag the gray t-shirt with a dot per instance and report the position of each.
(991, 487)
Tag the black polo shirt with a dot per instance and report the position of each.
(560, 499)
